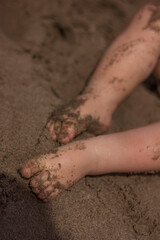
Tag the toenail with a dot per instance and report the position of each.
(26, 172)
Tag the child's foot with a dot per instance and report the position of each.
(52, 173)
(91, 111)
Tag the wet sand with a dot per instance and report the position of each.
(48, 49)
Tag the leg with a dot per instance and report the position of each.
(127, 62)
(134, 150)
(156, 73)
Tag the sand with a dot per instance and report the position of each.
(48, 49)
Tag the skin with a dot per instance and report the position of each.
(53, 173)
(138, 49)
(131, 58)
(156, 73)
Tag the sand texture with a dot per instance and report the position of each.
(48, 49)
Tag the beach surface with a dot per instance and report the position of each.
(48, 50)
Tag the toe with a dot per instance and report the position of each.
(39, 183)
(33, 166)
(46, 192)
(67, 133)
(41, 196)
(28, 171)
(51, 196)
(40, 188)
(36, 190)
(34, 183)
(52, 133)
(57, 127)
(41, 180)
(51, 126)
(25, 172)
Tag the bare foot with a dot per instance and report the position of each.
(53, 173)
(87, 112)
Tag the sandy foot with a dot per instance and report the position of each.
(53, 173)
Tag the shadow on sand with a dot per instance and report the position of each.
(22, 216)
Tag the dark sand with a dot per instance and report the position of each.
(48, 49)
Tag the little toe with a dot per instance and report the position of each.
(45, 184)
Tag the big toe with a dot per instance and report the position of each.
(32, 167)
(25, 172)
